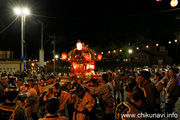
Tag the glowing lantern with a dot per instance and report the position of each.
(72, 69)
(88, 56)
(99, 57)
(64, 56)
(174, 3)
(92, 67)
(32, 64)
(79, 45)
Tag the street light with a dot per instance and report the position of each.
(23, 12)
(130, 51)
(56, 56)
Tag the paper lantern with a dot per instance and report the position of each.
(64, 56)
(174, 3)
(72, 69)
(79, 45)
(99, 57)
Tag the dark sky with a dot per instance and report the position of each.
(95, 22)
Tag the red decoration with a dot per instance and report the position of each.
(64, 56)
(72, 69)
(99, 57)
(88, 56)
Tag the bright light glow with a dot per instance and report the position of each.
(174, 3)
(17, 11)
(92, 67)
(101, 52)
(114, 51)
(175, 40)
(169, 42)
(64, 56)
(157, 44)
(158, 0)
(56, 56)
(20, 11)
(147, 46)
(130, 51)
(137, 48)
(79, 45)
(26, 11)
(120, 50)
(109, 51)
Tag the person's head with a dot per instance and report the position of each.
(79, 81)
(20, 83)
(109, 74)
(157, 76)
(138, 79)
(56, 87)
(68, 85)
(93, 82)
(80, 91)
(35, 86)
(12, 79)
(104, 78)
(30, 83)
(52, 105)
(173, 72)
(138, 96)
(123, 76)
(145, 76)
(4, 80)
(11, 93)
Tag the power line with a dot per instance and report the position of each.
(9, 25)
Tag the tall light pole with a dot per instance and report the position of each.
(54, 54)
(23, 12)
(130, 51)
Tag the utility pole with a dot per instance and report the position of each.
(41, 51)
(54, 53)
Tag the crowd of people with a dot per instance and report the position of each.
(115, 95)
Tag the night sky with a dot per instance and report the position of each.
(95, 22)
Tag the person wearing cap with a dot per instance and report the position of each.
(3, 85)
(83, 105)
(52, 106)
(172, 90)
(9, 109)
(152, 93)
(133, 107)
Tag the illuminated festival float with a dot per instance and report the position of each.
(82, 60)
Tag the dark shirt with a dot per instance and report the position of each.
(8, 109)
(2, 94)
